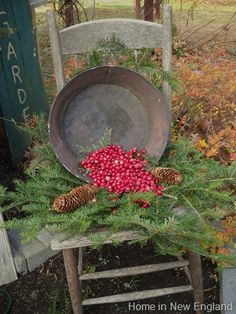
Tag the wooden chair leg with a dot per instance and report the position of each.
(73, 280)
(80, 260)
(195, 267)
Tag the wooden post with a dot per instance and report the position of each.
(56, 51)
(195, 267)
(33, 17)
(158, 9)
(137, 9)
(54, 7)
(69, 16)
(93, 5)
(74, 283)
(167, 52)
(148, 10)
(7, 266)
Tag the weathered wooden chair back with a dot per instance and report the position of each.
(135, 34)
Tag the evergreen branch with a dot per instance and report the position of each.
(195, 210)
(170, 196)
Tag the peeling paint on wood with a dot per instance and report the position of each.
(7, 267)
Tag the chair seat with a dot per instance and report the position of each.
(85, 241)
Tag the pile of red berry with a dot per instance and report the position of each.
(120, 171)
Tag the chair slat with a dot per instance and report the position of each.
(133, 33)
(131, 271)
(139, 295)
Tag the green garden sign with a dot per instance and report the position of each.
(21, 87)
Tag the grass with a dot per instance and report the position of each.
(114, 3)
(186, 5)
(60, 302)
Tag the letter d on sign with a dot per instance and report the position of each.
(21, 95)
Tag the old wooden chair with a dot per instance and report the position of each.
(79, 39)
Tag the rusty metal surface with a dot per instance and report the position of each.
(107, 97)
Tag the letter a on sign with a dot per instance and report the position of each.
(11, 52)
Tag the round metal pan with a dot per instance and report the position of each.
(107, 97)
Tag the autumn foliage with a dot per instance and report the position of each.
(226, 235)
(204, 106)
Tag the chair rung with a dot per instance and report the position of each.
(139, 295)
(131, 271)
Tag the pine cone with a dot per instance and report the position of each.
(75, 198)
(168, 175)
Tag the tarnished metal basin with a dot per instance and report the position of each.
(107, 97)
